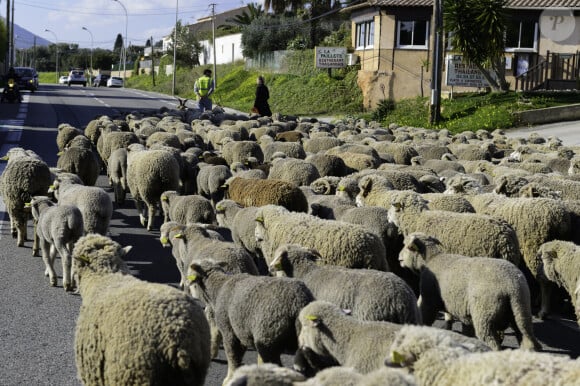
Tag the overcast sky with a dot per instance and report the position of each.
(105, 19)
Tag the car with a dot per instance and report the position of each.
(115, 81)
(63, 79)
(101, 80)
(27, 78)
(77, 77)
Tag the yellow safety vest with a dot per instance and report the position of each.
(203, 85)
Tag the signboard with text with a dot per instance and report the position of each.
(463, 74)
(330, 57)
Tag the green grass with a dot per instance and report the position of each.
(315, 93)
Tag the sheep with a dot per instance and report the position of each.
(210, 181)
(329, 332)
(296, 171)
(117, 173)
(187, 209)
(111, 141)
(251, 311)
(57, 229)
(338, 243)
(93, 202)
(320, 144)
(65, 133)
(488, 294)
(469, 234)
(248, 192)
(166, 329)
(387, 297)
(402, 153)
(270, 147)
(534, 220)
(329, 165)
(149, 174)
(164, 138)
(25, 176)
(455, 365)
(83, 162)
(239, 151)
(411, 342)
(559, 264)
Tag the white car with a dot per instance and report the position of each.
(63, 80)
(115, 81)
(77, 77)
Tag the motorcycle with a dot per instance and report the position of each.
(11, 92)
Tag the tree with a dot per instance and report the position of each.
(118, 44)
(269, 33)
(240, 21)
(477, 30)
(3, 39)
(279, 7)
(188, 48)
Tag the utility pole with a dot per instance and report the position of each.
(8, 54)
(175, 48)
(152, 61)
(12, 49)
(213, 43)
(435, 110)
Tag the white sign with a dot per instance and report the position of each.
(330, 57)
(463, 74)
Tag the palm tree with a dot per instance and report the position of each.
(477, 30)
(240, 21)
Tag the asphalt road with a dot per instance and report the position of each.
(37, 322)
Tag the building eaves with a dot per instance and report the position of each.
(521, 4)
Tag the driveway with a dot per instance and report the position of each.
(568, 132)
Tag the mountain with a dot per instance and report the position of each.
(24, 39)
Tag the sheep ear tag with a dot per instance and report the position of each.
(397, 358)
(314, 320)
(163, 240)
(192, 278)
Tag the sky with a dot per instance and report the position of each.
(105, 19)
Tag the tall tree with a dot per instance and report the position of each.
(187, 47)
(477, 30)
(238, 22)
(118, 44)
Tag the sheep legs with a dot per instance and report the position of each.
(67, 274)
(48, 258)
(234, 352)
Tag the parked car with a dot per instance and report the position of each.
(77, 77)
(115, 81)
(63, 79)
(27, 78)
(101, 80)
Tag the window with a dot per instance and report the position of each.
(365, 34)
(521, 35)
(413, 34)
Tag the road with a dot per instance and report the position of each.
(37, 322)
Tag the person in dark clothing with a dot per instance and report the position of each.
(262, 96)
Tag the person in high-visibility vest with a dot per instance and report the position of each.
(203, 88)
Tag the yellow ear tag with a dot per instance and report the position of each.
(397, 358)
(164, 198)
(59, 153)
(178, 236)
(260, 219)
(164, 240)
(84, 258)
(312, 317)
(192, 278)
(27, 204)
(51, 187)
(340, 188)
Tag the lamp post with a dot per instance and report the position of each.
(91, 73)
(124, 43)
(56, 40)
(175, 48)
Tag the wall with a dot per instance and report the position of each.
(228, 50)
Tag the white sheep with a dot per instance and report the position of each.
(489, 294)
(187, 209)
(58, 227)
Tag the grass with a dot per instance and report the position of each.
(317, 94)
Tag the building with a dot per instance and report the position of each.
(393, 40)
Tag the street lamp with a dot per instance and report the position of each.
(175, 47)
(91, 73)
(56, 40)
(124, 43)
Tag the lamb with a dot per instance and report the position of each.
(559, 264)
(296, 171)
(369, 294)
(166, 329)
(25, 176)
(330, 333)
(448, 366)
(489, 294)
(468, 234)
(248, 192)
(149, 174)
(251, 311)
(93, 202)
(338, 243)
(187, 209)
(57, 229)
(210, 181)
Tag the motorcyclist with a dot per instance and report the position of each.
(12, 74)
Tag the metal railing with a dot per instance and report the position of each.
(556, 71)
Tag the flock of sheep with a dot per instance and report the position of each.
(338, 243)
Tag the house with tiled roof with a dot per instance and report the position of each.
(394, 39)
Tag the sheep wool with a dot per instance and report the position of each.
(131, 331)
(248, 192)
(339, 243)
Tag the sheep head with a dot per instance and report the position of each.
(418, 248)
(99, 254)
